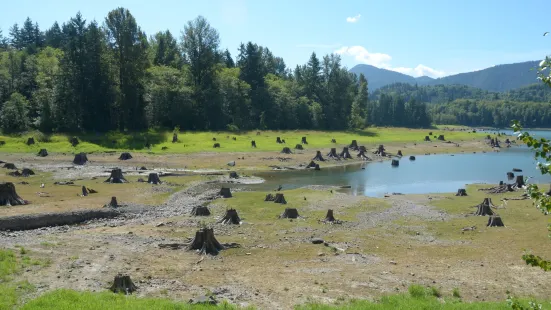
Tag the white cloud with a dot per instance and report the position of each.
(353, 19)
(380, 60)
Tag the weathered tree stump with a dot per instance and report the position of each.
(234, 138)
(461, 192)
(299, 147)
(43, 153)
(283, 141)
(205, 242)
(330, 218)
(488, 137)
(216, 145)
(225, 192)
(30, 141)
(15, 173)
(519, 181)
(381, 151)
(495, 221)
(441, 138)
(113, 203)
(362, 155)
(280, 198)
(2, 142)
(303, 140)
(507, 141)
(427, 138)
(153, 178)
(8, 195)
(362, 148)
(9, 166)
(395, 163)
(485, 208)
(333, 154)
(174, 137)
(269, 197)
(500, 183)
(84, 191)
(123, 284)
(345, 154)
(233, 175)
(74, 141)
(125, 156)
(399, 153)
(286, 150)
(258, 133)
(354, 145)
(26, 172)
(213, 139)
(333, 141)
(412, 157)
(430, 133)
(278, 140)
(253, 144)
(231, 217)
(116, 177)
(289, 213)
(317, 167)
(548, 193)
(318, 156)
(200, 211)
(510, 175)
(80, 159)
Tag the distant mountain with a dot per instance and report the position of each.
(500, 78)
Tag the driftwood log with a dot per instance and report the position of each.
(30, 141)
(153, 178)
(216, 145)
(43, 153)
(74, 141)
(299, 147)
(253, 143)
(280, 198)
(125, 156)
(517, 170)
(225, 192)
(461, 192)
(8, 195)
(205, 242)
(174, 137)
(495, 221)
(123, 284)
(289, 213)
(333, 154)
(303, 140)
(113, 203)
(318, 156)
(231, 217)
(80, 159)
(395, 163)
(116, 177)
(200, 211)
(485, 208)
(345, 154)
(269, 197)
(354, 145)
(286, 150)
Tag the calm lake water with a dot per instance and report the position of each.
(427, 174)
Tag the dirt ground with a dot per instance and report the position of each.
(382, 246)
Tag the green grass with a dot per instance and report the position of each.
(11, 291)
(193, 142)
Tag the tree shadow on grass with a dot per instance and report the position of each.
(124, 140)
(363, 133)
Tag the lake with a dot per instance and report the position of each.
(426, 174)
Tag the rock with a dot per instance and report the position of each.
(392, 262)
(317, 240)
(203, 300)
(231, 163)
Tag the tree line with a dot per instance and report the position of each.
(83, 76)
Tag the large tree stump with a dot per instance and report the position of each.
(253, 144)
(430, 133)
(333, 141)
(318, 156)
(280, 198)
(8, 195)
(80, 159)
(205, 242)
(174, 137)
(225, 192)
(510, 175)
(216, 145)
(461, 192)
(200, 211)
(233, 175)
(231, 217)
(116, 177)
(286, 150)
(113, 203)
(299, 147)
(519, 181)
(345, 154)
(74, 141)
(283, 141)
(333, 154)
(485, 208)
(43, 153)
(278, 140)
(30, 141)
(441, 138)
(10, 166)
(312, 164)
(303, 140)
(125, 156)
(399, 153)
(26, 172)
(412, 157)
(395, 163)
(289, 213)
(84, 191)
(123, 284)
(153, 178)
(269, 197)
(354, 145)
(381, 151)
(330, 218)
(427, 138)
(495, 221)
(362, 155)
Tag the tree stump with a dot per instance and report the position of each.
(461, 192)
(510, 175)
(507, 141)
(485, 208)
(395, 163)
(330, 218)
(84, 191)
(412, 157)
(234, 138)
(318, 156)
(2, 142)
(174, 137)
(500, 183)
(430, 133)
(113, 203)
(233, 175)
(116, 177)
(205, 242)
(225, 192)
(8, 195)
(216, 145)
(213, 139)
(153, 178)
(548, 193)
(299, 147)
(380, 151)
(15, 173)
(253, 144)
(333, 154)
(258, 133)
(26, 172)
(269, 197)
(123, 284)
(345, 154)
(427, 138)
(354, 145)
(74, 141)
(286, 150)
(362, 148)
(519, 181)
(278, 140)
(283, 141)
(10, 166)
(333, 141)
(80, 159)
(289, 213)
(399, 153)
(317, 167)
(200, 211)
(30, 141)
(362, 155)
(312, 164)
(125, 156)
(43, 153)
(280, 198)
(495, 221)
(231, 217)
(303, 140)
(441, 138)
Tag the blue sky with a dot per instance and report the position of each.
(416, 37)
